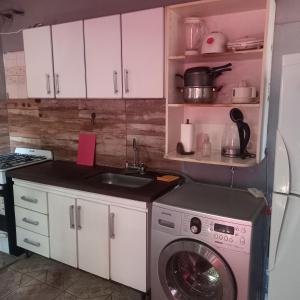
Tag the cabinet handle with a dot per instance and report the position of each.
(126, 72)
(71, 212)
(36, 244)
(48, 84)
(57, 83)
(115, 79)
(36, 223)
(78, 218)
(31, 200)
(112, 225)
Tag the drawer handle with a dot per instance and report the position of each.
(35, 244)
(31, 200)
(36, 223)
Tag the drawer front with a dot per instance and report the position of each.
(31, 220)
(32, 241)
(30, 198)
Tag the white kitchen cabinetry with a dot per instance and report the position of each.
(103, 57)
(101, 234)
(143, 53)
(252, 65)
(62, 227)
(68, 60)
(128, 247)
(31, 213)
(93, 240)
(72, 220)
(38, 59)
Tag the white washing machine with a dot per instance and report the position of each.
(207, 243)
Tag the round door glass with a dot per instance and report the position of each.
(191, 271)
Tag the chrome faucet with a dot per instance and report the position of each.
(136, 166)
(135, 153)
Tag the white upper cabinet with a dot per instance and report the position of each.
(39, 68)
(103, 57)
(143, 53)
(68, 56)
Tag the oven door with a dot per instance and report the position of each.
(3, 195)
(190, 270)
(7, 220)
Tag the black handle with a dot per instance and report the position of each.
(220, 72)
(179, 75)
(221, 67)
(244, 134)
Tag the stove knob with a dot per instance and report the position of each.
(195, 225)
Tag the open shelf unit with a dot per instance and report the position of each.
(236, 19)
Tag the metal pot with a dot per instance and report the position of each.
(203, 76)
(202, 94)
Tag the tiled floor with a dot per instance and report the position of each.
(38, 278)
(6, 260)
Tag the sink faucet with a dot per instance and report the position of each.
(136, 165)
(135, 153)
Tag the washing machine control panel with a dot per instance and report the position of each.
(217, 232)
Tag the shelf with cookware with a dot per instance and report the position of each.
(218, 58)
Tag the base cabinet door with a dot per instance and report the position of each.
(93, 238)
(128, 232)
(62, 229)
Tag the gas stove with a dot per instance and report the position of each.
(20, 158)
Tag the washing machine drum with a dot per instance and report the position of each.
(190, 270)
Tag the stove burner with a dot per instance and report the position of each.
(13, 160)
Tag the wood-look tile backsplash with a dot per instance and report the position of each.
(4, 134)
(56, 124)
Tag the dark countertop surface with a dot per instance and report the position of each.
(70, 175)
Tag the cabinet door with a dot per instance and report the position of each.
(103, 57)
(62, 229)
(143, 54)
(68, 55)
(128, 247)
(38, 59)
(93, 239)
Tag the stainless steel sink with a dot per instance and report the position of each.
(122, 180)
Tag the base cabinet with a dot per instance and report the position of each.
(62, 229)
(103, 235)
(128, 247)
(93, 240)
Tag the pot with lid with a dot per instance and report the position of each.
(199, 83)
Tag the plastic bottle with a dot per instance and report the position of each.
(206, 148)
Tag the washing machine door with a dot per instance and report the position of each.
(191, 270)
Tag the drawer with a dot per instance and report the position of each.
(31, 220)
(30, 198)
(32, 241)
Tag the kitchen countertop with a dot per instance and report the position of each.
(70, 175)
